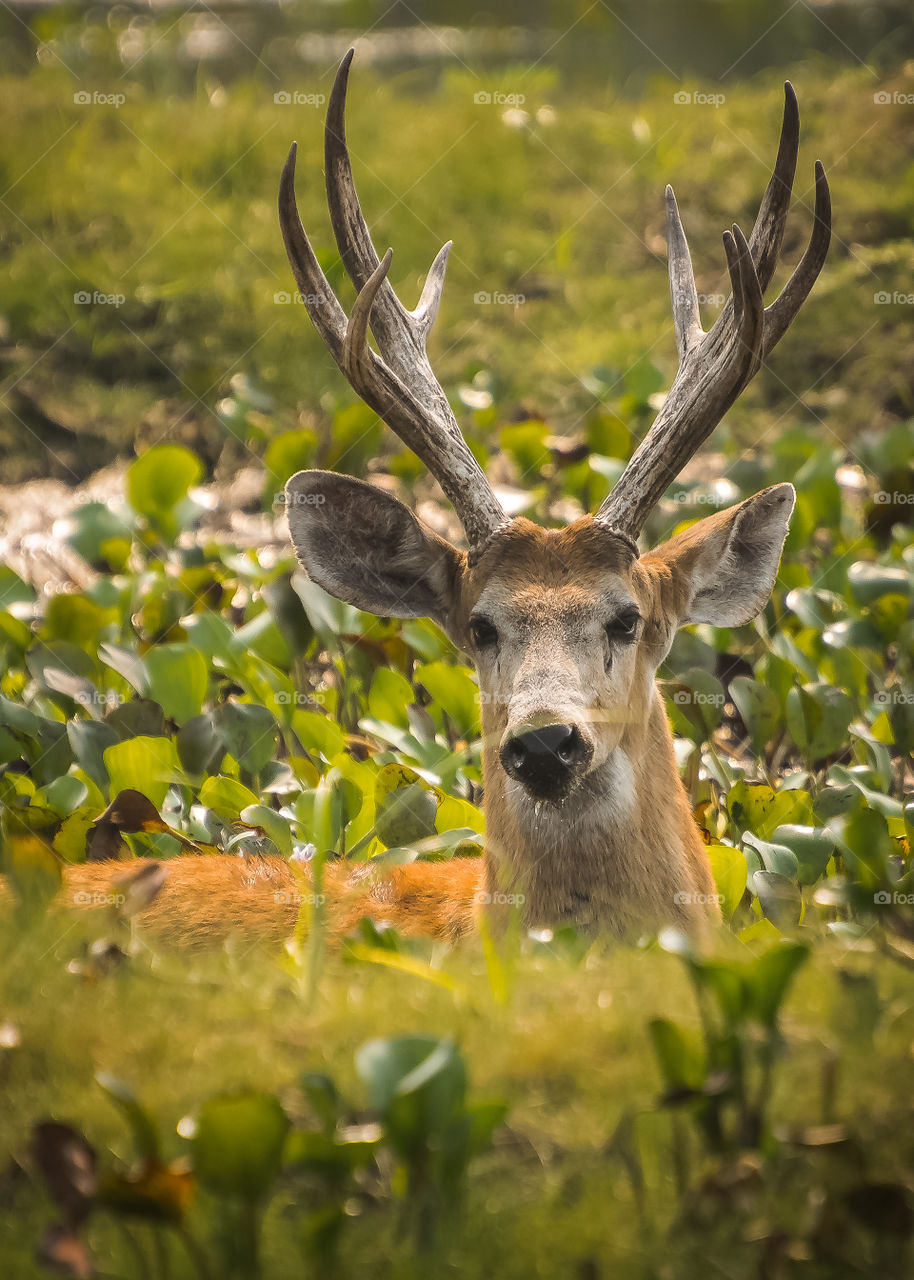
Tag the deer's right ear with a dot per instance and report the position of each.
(364, 547)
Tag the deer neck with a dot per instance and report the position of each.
(619, 852)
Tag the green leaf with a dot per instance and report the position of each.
(238, 1145)
(390, 695)
(812, 847)
(760, 710)
(775, 857)
(273, 823)
(818, 717)
(696, 704)
(318, 733)
(406, 815)
(417, 1083)
(729, 869)
(771, 976)
(455, 691)
(226, 797)
(142, 1125)
(679, 1056)
(148, 765)
(248, 732)
(159, 480)
(779, 898)
(867, 582)
(757, 808)
(177, 678)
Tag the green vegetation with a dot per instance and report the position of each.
(545, 1105)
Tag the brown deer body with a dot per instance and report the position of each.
(587, 820)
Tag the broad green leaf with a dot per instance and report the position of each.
(812, 847)
(227, 797)
(696, 704)
(679, 1055)
(238, 1145)
(455, 691)
(177, 679)
(148, 765)
(771, 976)
(389, 696)
(160, 479)
(757, 808)
(779, 898)
(775, 857)
(728, 867)
(273, 823)
(248, 732)
(818, 717)
(404, 816)
(760, 710)
(868, 582)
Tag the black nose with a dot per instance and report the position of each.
(546, 760)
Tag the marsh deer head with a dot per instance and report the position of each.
(586, 815)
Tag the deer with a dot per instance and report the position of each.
(587, 820)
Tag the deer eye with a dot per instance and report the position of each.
(624, 626)
(483, 632)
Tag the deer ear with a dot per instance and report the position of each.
(722, 569)
(364, 547)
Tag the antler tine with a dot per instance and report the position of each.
(714, 367)
(399, 384)
(356, 351)
(768, 231)
(327, 316)
(780, 314)
(684, 295)
(401, 334)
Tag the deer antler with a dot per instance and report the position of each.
(399, 384)
(714, 367)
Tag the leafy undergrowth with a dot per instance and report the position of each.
(200, 697)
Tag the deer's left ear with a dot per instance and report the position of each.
(722, 569)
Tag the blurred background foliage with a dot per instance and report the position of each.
(147, 293)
